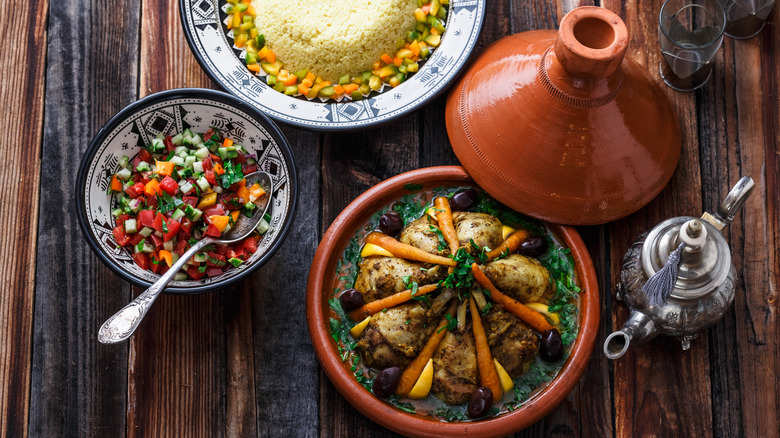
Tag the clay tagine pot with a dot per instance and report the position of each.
(561, 126)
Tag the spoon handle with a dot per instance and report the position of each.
(124, 322)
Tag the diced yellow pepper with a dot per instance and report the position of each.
(207, 201)
(219, 221)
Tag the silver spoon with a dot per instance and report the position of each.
(124, 322)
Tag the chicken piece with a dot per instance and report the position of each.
(455, 375)
(418, 233)
(511, 342)
(383, 276)
(520, 277)
(483, 228)
(394, 337)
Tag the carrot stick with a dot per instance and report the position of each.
(520, 310)
(446, 225)
(413, 371)
(388, 302)
(487, 370)
(405, 251)
(511, 244)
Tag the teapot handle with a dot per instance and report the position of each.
(731, 204)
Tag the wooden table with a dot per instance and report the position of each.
(239, 362)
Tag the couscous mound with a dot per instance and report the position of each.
(333, 38)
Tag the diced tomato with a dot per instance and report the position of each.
(142, 260)
(208, 164)
(250, 245)
(215, 259)
(133, 191)
(173, 229)
(169, 185)
(186, 225)
(168, 143)
(156, 264)
(157, 241)
(238, 251)
(146, 218)
(213, 231)
(192, 200)
(209, 175)
(144, 155)
(136, 239)
(120, 220)
(181, 247)
(192, 271)
(151, 201)
(216, 210)
(222, 249)
(228, 199)
(158, 222)
(239, 159)
(248, 168)
(213, 271)
(121, 237)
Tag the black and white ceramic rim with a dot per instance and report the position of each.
(204, 23)
(170, 112)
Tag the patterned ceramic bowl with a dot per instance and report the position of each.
(205, 25)
(168, 113)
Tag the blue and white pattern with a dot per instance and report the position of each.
(209, 40)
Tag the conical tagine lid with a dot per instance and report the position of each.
(560, 126)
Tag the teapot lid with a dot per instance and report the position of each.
(705, 260)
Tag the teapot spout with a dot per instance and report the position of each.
(639, 328)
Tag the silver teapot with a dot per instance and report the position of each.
(690, 258)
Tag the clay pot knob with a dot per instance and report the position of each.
(591, 42)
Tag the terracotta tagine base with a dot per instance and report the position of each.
(560, 126)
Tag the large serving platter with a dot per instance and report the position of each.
(211, 42)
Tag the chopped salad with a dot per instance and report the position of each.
(179, 189)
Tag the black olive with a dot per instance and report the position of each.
(533, 246)
(463, 200)
(351, 299)
(386, 382)
(551, 346)
(391, 223)
(480, 403)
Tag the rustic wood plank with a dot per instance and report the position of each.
(241, 408)
(747, 356)
(286, 382)
(78, 386)
(177, 364)
(647, 381)
(23, 119)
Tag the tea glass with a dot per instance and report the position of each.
(690, 33)
(746, 18)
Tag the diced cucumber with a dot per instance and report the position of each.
(199, 257)
(187, 133)
(148, 247)
(140, 247)
(168, 246)
(196, 140)
(116, 212)
(124, 162)
(177, 161)
(186, 187)
(185, 172)
(203, 183)
(236, 262)
(143, 166)
(202, 153)
(177, 214)
(192, 213)
(197, 167)
(217, 189)
(189, 160)
(146, 231)
(180, 149)
(131, 226)
(124, 174)
(157, 146)
(177, 139)
(135, 205)
(262, 226)
(180, 276)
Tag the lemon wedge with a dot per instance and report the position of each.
(503, 377)
(423, 385)
(358, 329)
(544, 310)
(506, 230)
(369, 249)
